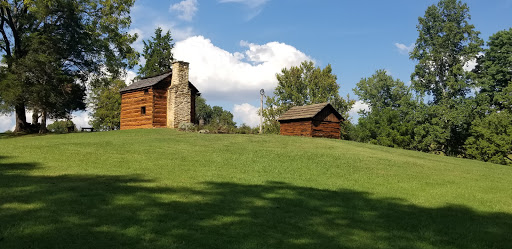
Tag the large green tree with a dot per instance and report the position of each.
(52, 90)
(105, 102)
(491, 131)
(86, 36)
(389, 121)
(494, 72)
(158, 54)
(215, 115)
(303, 85)
(446, 42)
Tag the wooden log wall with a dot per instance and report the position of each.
(131, 103)
(327, 115)
(160, 108)
(326, 129)
(296, 128)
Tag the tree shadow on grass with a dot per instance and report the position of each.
(92, 211)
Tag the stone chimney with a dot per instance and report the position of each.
(179, 96)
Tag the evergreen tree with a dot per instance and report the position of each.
(158, 54)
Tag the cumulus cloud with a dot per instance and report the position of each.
(246, 113)
(186, 9)
(130, 75)
(359, 105)
(353, 113)
(6, 122)
(81, 119)
(238, 77)
(404, 49)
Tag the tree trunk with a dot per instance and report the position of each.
(35, 116)
(21, 118)
(42, 128)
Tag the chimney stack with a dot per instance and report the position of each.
(179, 97)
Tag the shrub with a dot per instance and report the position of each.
(186, 126)
(61, 126)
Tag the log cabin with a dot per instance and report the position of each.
(317, 120)
(164, 100)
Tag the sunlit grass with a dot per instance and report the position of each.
(160, 188)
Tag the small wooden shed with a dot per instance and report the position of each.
(318, 120)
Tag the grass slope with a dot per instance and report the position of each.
(161, 188)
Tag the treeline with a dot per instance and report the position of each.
(448, 108)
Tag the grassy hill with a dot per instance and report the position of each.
(161, 188)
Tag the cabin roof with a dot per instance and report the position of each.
(151, 81)
(307, 112)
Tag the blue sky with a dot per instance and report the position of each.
(235, 47)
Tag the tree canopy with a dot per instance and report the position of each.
(303, 85)
(446, 42)
(79, 38)
(157, 53)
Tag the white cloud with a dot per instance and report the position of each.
(246, 113)
(137, 45)
(186, 9)
(6, 122)
(130, 75)
(81, 119)
(222, 75)
(353, 113)
(404, 49)
(359, 105)
(470, 65)
(177, 33)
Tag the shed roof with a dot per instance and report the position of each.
(146, 82)
(307, 111)
(151, 81)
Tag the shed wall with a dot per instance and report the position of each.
(296, 128)
(131, 103)
(160, 108)
(326, 129)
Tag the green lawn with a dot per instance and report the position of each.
(161, 188)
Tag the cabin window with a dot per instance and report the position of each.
(146, 91)
(143, 110)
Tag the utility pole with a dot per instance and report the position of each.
(262, 93)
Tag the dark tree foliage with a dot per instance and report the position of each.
(158, 54)
(215, 115)
(491, 131)
(388, 122)
(494, 72)
(82, 36)
(491, 138)
(446, 42)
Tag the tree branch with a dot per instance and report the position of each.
(7, 48)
